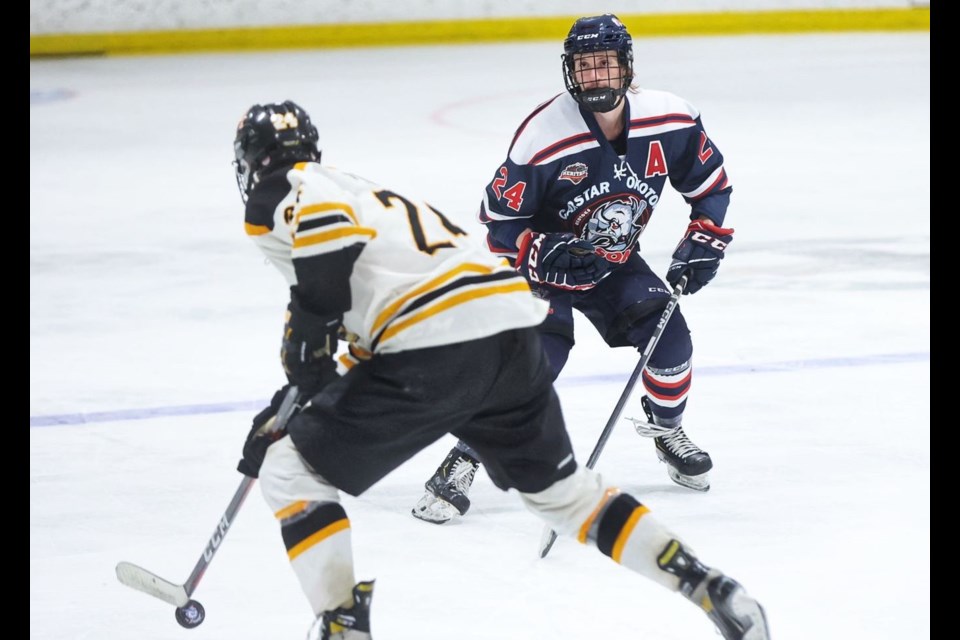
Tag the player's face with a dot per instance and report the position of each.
(597, 70)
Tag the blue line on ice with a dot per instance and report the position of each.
(563, 381)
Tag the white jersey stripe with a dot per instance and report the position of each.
(707, 184)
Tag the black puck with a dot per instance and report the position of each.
(190, 615)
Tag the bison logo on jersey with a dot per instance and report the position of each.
(613, 225)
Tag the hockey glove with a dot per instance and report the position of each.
(260, 436)
(699, 254)
(560, 260)
(309, 342)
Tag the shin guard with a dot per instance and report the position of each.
(624, 530)
(313, 524)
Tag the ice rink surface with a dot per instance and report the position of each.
(155, 327)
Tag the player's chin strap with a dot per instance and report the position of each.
(549, 535)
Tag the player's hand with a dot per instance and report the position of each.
(309, 342)
(560, 260)
(260, 436)
(699, 254)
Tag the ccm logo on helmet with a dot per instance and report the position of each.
(588, 36)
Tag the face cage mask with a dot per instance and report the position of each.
(244, 179)
(603, 99)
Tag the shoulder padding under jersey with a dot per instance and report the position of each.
(553, 130)
(650, 103)
(557, 129)
(655, 112)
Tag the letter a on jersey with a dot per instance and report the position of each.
(656, 162)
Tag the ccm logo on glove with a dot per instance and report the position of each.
(699, 254)
(533, 256)
(713, 241)
(560, 260)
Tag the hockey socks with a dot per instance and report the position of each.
(317, 538)
(667, 390)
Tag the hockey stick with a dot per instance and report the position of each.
(549, 535)
(190, 613)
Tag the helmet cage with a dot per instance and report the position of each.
(269, 136)
(592, 35)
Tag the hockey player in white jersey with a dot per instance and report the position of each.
(442, 338)
(587, 168)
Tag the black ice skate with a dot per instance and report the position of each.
(687, 464)
(446, 492)
(736, 615)
(346, 623)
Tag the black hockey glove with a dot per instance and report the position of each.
(699, 254)
(309, 342)
(560, 260)
(260, 436)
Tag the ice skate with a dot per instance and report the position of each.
(446, 492)
(736, 615)
(687, 464)
(344, 623)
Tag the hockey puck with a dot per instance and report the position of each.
(190, 615)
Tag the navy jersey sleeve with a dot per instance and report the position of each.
(698, 174)
(510, 200)
(517, 190)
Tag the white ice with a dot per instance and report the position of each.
(155, 329)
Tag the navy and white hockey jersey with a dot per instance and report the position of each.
(561, 174)
(401, 274)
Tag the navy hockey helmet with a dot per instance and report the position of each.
(595, 34)
(269, 136)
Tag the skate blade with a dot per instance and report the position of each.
(697, 483)
(759, 629)
(750, 615)
(434, 510)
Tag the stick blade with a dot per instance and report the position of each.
(142, 580)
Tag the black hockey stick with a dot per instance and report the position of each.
(549, 535)
(190, 613)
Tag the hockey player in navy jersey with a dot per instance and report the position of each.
(581, 180)
(415, 299)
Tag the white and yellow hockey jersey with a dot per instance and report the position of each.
(402, 274)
